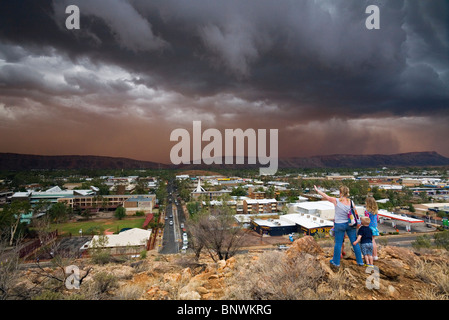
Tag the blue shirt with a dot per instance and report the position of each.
(373, 219)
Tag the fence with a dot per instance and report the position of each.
(36, 244)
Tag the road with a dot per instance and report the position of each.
(402, 240)
(172, 239)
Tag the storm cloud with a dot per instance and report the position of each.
(135, 70)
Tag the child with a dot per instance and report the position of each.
(371, 212)
(365, 237)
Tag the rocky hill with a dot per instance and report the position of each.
(411, 159)
(14, 161)
(300, 273)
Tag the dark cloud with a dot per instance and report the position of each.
(309, 68)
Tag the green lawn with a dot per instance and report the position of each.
(113, 225)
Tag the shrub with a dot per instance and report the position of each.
(100, 254)
(49, 295)
(423, 241)
(130, 292)
(103, 282)
(442, 239)
(101, 257)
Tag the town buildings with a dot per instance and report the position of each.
(132, 203)
(259, 206)
(200, 192)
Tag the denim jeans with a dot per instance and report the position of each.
(340, 229)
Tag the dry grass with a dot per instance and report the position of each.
(273, 276)
(436, 274)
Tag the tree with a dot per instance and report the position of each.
(441, 213)
(41, 206)
(11, 216)
(120, 213)
(58, 212)
(239, 191)
(53, 276)
(184, 194)
(9, 263)
(270, 192)
(216, 231)
(377, 194)
(161, 192)
(193, 207)
(141, 187)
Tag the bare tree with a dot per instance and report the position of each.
(216, 231)
(53, 271)
(9, 261)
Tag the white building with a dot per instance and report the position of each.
(307, 221)
(131, 241)
(323, 209)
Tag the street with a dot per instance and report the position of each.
(172, 238)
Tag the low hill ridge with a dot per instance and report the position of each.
(15, 161)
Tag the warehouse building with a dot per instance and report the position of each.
(323, 209)
(292, 223)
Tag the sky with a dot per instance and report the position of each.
(136, 70)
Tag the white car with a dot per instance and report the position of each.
(171, 222)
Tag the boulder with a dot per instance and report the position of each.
(407, 256)
(305, 244)
(186, 274)
(156, 293)
(393, 292)
(172, 277)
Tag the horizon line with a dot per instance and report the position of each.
(223, 157)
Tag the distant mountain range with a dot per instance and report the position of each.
(14, 161)
(410, 159)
